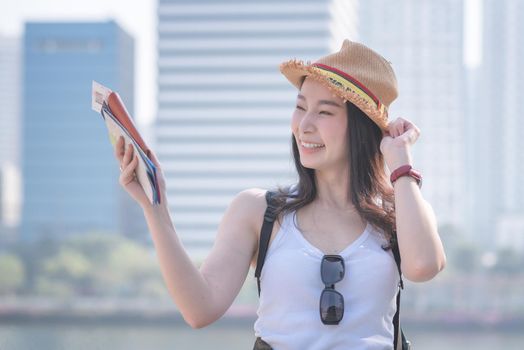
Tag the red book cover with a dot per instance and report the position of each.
(119, 110)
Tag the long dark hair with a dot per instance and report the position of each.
(369, 189)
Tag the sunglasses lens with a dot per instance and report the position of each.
(332, 269)
(331, 306)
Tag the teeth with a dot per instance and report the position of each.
(312, 145)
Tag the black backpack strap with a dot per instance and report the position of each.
(396, 319)
(265, 235)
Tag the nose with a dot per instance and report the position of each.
(307, 124)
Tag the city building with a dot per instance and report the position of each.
(70, 174)
(224, 108)
(424, 42)
(499, 190)
(10, 76)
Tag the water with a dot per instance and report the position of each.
(179, 336)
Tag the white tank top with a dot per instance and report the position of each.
(288, 311)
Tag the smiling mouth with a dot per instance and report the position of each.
(308, 145)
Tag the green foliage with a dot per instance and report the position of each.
(94, 264)
(96, 245)
(12, 273)
(509, 261)
(63, 273)
(132, 270)
(67, 264)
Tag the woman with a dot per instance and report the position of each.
(344, 213)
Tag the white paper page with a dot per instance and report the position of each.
(99, 94)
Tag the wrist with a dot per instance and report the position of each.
(398, 161)
(160, 210)
(406, 170)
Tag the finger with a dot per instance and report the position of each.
(390, 128)
(409, 137)
(127, 156)
(132, 166)
(128, 174)
(393, 129)
(400, 127)
(408, 124)
(119, 151)
(413, 135)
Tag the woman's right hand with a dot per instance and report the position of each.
(128, 180)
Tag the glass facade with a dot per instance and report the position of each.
(70, 173)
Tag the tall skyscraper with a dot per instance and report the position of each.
(424, 42)
(70, 173)
(499, 190)
(224, 109)
(10, 76)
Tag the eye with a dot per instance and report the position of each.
(327, 113)
(298, 107)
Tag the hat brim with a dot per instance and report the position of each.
(294, 70)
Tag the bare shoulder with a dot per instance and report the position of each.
(238, 232)
(236, 243)
(251, 204)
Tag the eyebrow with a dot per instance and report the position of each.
(325, 102)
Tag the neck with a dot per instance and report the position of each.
(333, 191)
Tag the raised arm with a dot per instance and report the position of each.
(420, 246)
(419, 243)
(202, 295)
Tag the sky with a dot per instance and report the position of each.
(138, 18)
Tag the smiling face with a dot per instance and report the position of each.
(319, 125)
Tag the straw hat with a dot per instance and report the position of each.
(356, 74)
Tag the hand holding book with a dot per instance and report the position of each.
(129, 161)
(128, 142)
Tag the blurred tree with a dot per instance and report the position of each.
(509, 261)
(32, 254)
(96, 247)
(97, 244)
(68, 264)
(62, 274)
(465, 257)
(12, 273)
(91, 264)
(133, 269)
(98, 264)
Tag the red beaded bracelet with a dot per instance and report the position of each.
(406, 170)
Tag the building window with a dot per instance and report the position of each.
(51, 46)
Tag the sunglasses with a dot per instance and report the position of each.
(332, 271)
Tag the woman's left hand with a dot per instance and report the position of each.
(396, 143)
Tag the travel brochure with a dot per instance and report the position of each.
(119, 123)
